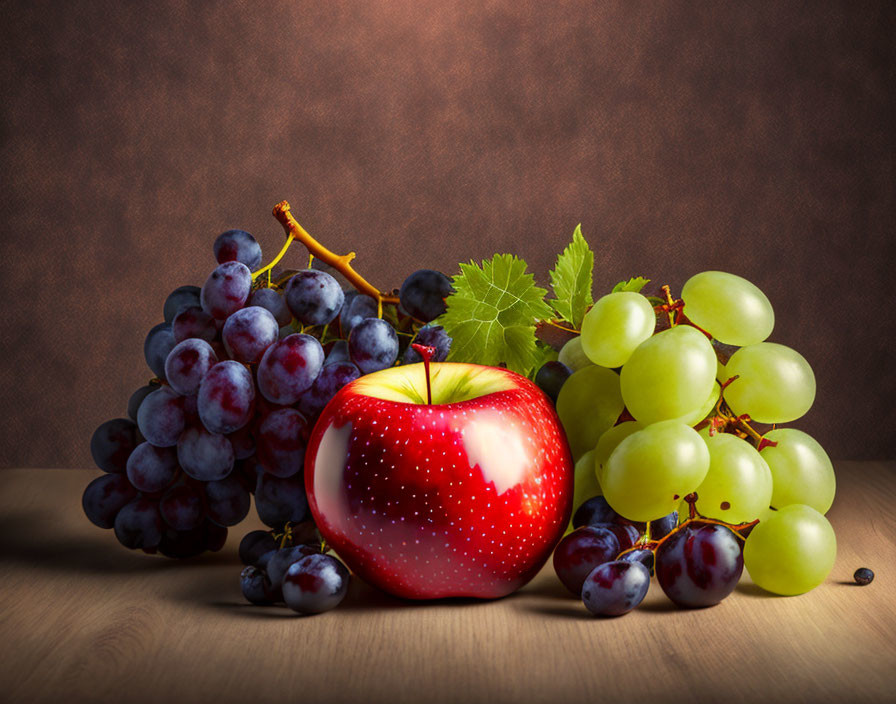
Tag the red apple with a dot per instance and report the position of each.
(463, 497)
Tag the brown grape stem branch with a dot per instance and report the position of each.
(340, 262)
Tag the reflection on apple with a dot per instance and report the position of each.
(463, 497)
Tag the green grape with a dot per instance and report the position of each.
(615, 326)
(586, 484)
(792, 551)
(728, 307)
(653, 469)
(589, 404)
(705, 409)
(573, 356)
(775, 384)
(610, 440)
(669, 376)
(738, 486)
(801, 469)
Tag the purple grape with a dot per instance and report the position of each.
(320, 265)
(338, 353)
(226, 289)
(699, 565)
(551, 377)
(279, 501)
(157, 346)
(194, 322)
(216, 536)
(248, 333)
(182, 507)
(315, 584)
(642, 555)
(615, 588)
(256, 587)
(863, 576)
(663, 526)
(282, 438)
(593, 511)
(596, 511)
(226, 397)
(203, 455)
(314, 297)
(237, 246)
(283, 559)
(289, 368)
(243, 442)
(161, 417)
(255, 544)
(265, 558)
(112, 443)
(423, 294)
(180, 298)
(580, 552)
(227, 501)
(105, 496)
(331, 378)
(187, 364)
(626, 534)
(152, 469)
(430, 336)
(358, 308)
(139, 525)
(373, 345)
(271, 300)
(137, 398)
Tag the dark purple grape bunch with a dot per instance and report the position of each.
(243, 368)
(291, 568)
(608, 560)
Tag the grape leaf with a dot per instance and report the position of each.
(635, 284)
(491, 314)
(571, 280)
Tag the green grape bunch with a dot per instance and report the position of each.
(692, 380)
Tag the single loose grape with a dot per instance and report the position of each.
(588, 404)
(728, 307)
(671, 375)
(792, 551)
(615, 326)
(775, 384)
(738, 486)
(573, 356)
(863, 576)
(801, 469)
(653, 469)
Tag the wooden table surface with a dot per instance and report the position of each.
(83, 619)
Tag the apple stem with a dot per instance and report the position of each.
(427, 353)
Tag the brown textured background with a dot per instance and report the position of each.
(751, 137)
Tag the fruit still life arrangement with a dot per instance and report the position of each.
(447, 438)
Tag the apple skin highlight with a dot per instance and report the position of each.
(454, 499)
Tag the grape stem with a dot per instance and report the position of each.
(653, 545)
(342, 263)
(562, 327)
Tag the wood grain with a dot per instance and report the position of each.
(82, 619)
